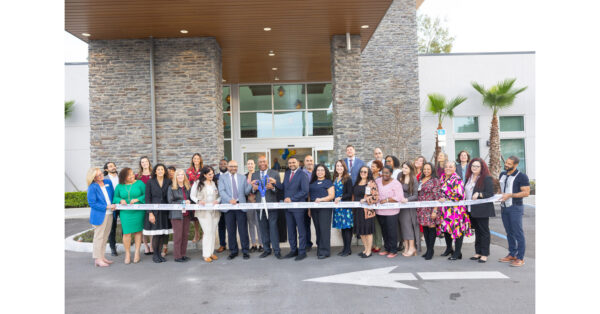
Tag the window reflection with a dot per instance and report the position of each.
(289, 97)
(289, 124)
(256, 124)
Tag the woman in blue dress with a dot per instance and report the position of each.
(321, 190)
(343, 218)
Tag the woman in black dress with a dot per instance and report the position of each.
(363, 191)
(156, 222)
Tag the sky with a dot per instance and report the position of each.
(477, 25)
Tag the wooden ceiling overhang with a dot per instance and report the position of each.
(300, 32)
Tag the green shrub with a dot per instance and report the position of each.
(76, 199)
(532, 187)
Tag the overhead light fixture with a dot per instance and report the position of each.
(274, 69)
(267, 29)
(224, 80)
(277, 78)
(271, 53)
(183, 31)
(86, 34)
(365, 26)
(280, 90)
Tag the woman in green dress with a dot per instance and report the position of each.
(130, 191)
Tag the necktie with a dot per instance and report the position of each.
(262, 175)
(350, 164)
(234, 187)
(292, 176)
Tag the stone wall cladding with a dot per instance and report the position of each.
(188, 90)
(187, 76)
(390, 85)
(119, 89)
(346, 86)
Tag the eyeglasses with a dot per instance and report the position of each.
(475, 166)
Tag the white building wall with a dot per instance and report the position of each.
(77, 127)
(452, 74)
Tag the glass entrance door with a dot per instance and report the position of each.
(280, 156)
(254, 156)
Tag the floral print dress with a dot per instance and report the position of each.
(429, 191)
(455, 220)
(342, 217)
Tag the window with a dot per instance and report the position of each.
(466, 124)
(512, 124)
(325, 157)
(226, 99)
(471, 146)
(516, 147)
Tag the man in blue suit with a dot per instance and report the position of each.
(233, 189)
(295, 189)
(352, 163)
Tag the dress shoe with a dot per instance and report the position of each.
(481, 260)
(474, 258)
(163, 259)
(231, 256)
(300, 257)
(261, 249)
(517, 263)
(507, 259)
(366, 256)
(220, 249)
(340, 253)
(246, 256)
(291, 254)
(214, 257)
(278, 256)
(156, 259)
(253, 249)
(208, 259)
(185, 258)
(322, 256)
(179, 260)
(113, 251)
(361, 254)
(454, 257)
(264, 254)
(346, 254)
(447, 252)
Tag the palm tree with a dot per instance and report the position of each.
(438, 106)
(499, 96)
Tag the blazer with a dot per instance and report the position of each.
(486, 209)
(157, 195)
(175, 197)
(97, 201)
(226, 192)
(270, 195)
(355, 168)
(296, 190)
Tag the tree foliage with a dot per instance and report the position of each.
(434, 37)
(69, 107)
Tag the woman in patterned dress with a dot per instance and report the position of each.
(343, 218)
(429, 217)
(455, 221)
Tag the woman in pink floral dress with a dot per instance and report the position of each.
(455, 222)
(429, 217)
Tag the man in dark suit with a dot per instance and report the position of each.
(295, 189)
(268, 226)
(352, 163)
(233, 189)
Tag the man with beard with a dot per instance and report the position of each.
(514, 185)
(222, 225)
(110, 170)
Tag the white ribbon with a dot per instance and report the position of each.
(264, 205)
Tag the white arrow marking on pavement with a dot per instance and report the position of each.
(379, 277)
(382, 277)
(440, 275)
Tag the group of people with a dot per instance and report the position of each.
(387, 232)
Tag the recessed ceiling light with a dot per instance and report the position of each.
(365, 26)
(224, 80)
(271, 53)
(183, 31)
(267, 29)
(277, 78)
(274, 69)
(86, 34)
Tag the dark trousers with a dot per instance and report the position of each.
(307, 224)
(237, 222)
(457, 243)
(295, 220)
(181, 228)
(482, 235)
(322, 219)
(347, 238)
(429, 234)
(113, 231)
(157, 244)
(512, 219)
(268, 230)
(222, 229)
(389, 230)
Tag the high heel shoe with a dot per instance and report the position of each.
(107, 261)
(136, 259)
(412, 254)
(127, 260)
(454, 257)
(447, 252)
(100, 264)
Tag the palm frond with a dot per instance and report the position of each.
(505, 86)
(436, 104)
(453, 104)
(480, 88)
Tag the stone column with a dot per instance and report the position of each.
(346, 82)
(390, 85)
